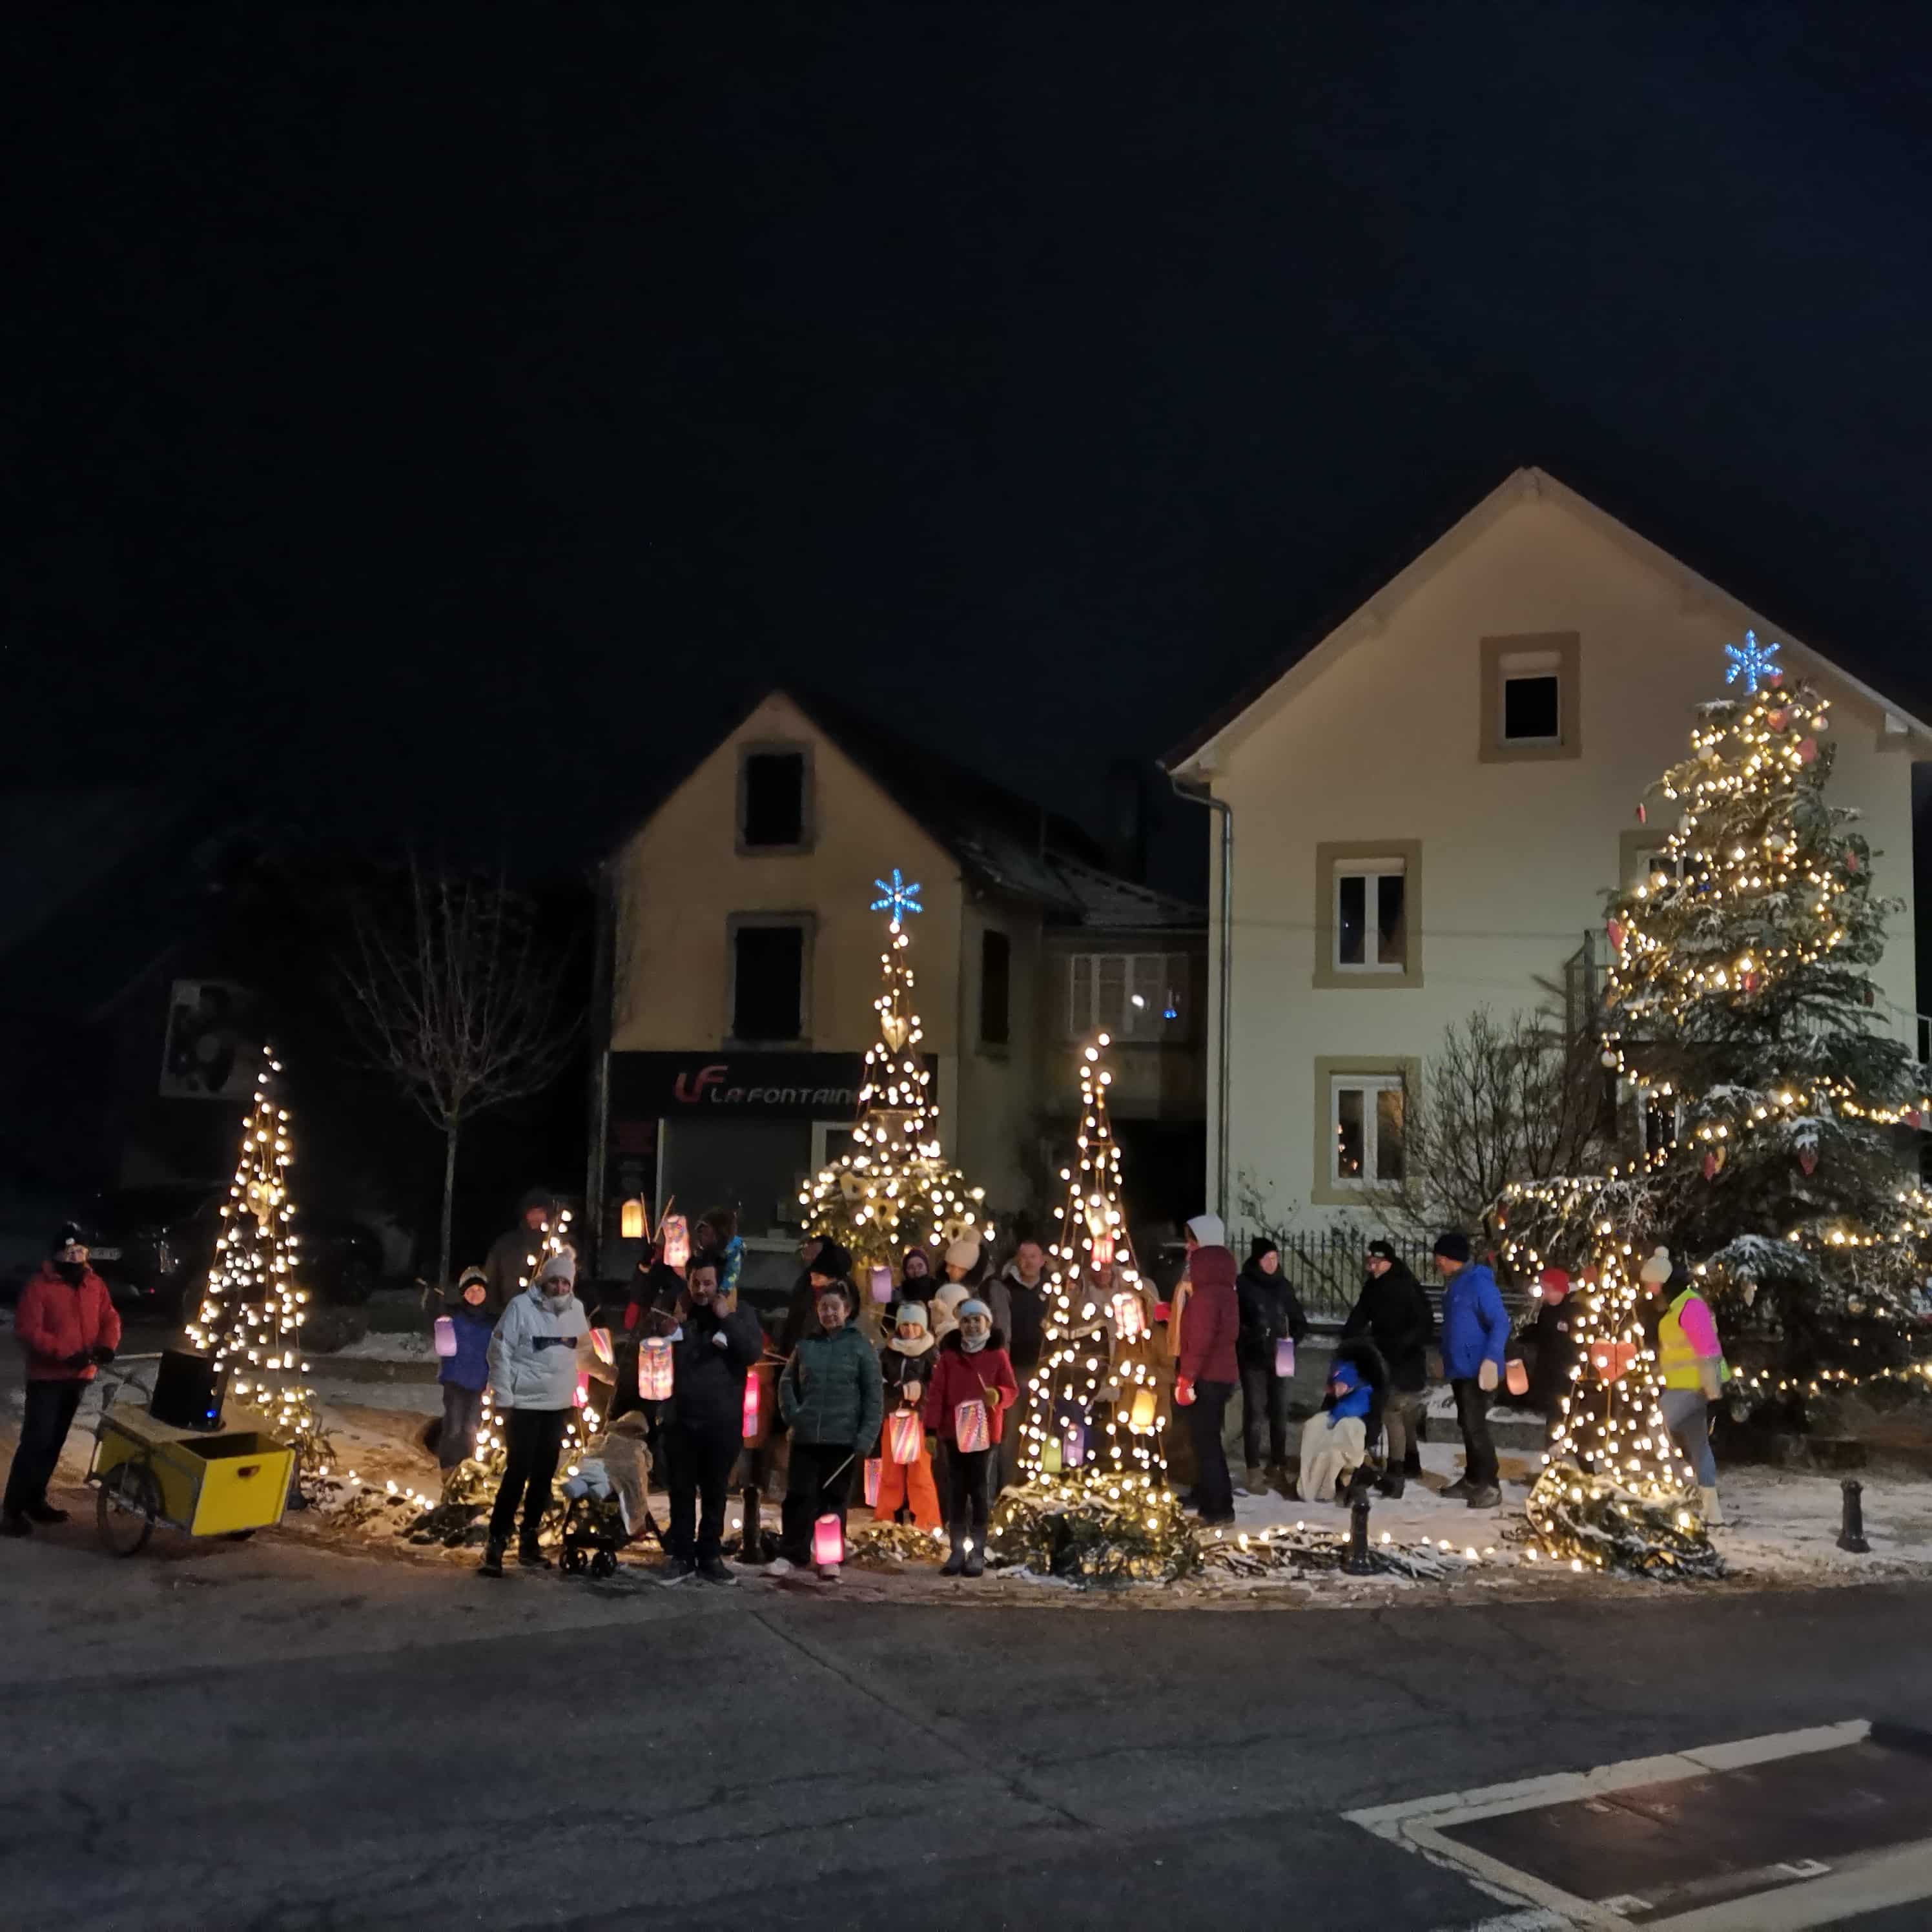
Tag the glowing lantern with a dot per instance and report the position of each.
(1611, 1361)
(631, 1222)
(445, 1336)
(1284, 1357)
(1049, 1456)
(1140, 1417)
(677, 1233)
(881, 1281)
(875, 1470)
(1073, 1443)
(750, 1430)
(601, 1346)
(970, 1429)
(903, 1434)
(828, 1542)
(583, 1395)
(1129, 1317)
(1515, 1376)
(654, 1368)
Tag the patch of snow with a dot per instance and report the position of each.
(381, 1346)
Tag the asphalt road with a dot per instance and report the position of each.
(281, 1738)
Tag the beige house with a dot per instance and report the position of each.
(746, 956)
(1429, 801)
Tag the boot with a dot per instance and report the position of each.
(1486, 1497)
(492, 1564)
(1457, 1490)
(531, 1557)
(1392, 1484)
(1283, 1479)
(976, 1557)
(955, 1557)
(1714, 1514)
(44, 1511)
(1257, 1480)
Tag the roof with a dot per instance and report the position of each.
(1107, 904)
(1339, 617)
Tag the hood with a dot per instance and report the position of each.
(1210, 1231)
(1364, 1359)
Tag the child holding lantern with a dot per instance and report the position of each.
(972, 1388)
(905, 1366)
(831, 1398)
(463, 1341)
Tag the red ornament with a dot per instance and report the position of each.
(1777, 720)
(1642, 817)
(1807, 750)
(1749, 982)
(1913, 1117)
(1614, 929)
(1851, 859)
(1611, 1360)
(1711, 1164)
(1773, 677)
(1808, 1159)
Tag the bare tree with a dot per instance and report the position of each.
(1522, 1098)
(453, 990)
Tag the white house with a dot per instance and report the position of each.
(1429, 802)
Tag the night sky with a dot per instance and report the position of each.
(454, 411)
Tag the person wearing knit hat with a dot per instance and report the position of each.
(1206, 1374)
(1555, 1345)
(1271, 1316)
(465, 1371)
(1393, 1312)
(905, 1367)
(1475, 1336)
(973, 1367)
(512, 1262)
(1690, 1359)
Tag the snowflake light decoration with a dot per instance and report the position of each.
(1753, 662)
(898, 898)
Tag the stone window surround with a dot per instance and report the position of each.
(1491, 747)
(1331, 857)
(1324, 1191)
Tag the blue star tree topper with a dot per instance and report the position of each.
(1752, 661)
(898, 898)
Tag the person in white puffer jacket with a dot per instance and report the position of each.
(533, 1385)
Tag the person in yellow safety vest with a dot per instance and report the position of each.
(1691, 1360)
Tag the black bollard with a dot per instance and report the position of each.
(751, 1543)
(1851, 1530)
(1357, 1562)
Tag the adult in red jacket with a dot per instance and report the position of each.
(1207, 1376)
(66, 1328)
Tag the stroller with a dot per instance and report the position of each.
(605, 1503)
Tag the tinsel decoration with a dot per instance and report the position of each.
(879, 1545)
(1594, 1524)
(1132, 1531)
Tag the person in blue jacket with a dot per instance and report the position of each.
(465, 1374)
(1475, 1331)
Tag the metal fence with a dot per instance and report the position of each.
(1327, 1270)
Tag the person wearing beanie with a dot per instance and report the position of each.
(905, 1368)
(1555, 1345)
(514, 1255)
(1271, 1314)
(533, 1384)
(1475, 1337)
(1206, 1374)
(1207, 1230)
(1334, 1440)
(66, 1328)
(1392, 1311)
(1690, 1359)
(464, 1374)
(946, 1306)
(973, 1367)
(830, 1397)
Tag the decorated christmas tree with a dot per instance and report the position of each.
(892, 1186)
(1095, 1505)
(1783, 1114)
(251, 1312)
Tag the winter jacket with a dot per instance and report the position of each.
(1213, 1319)
(708, 1381)
(1362, 1362)
(56, 1322)
(1393, 1312)
(533, 1353)
(1025, 1324)
(509, 1263)
(957, 1377)
(1270, 1312)
(896, 1370)
(1553, 1336)
(469, 1368)
(1475, 1325)
(830, 1392)
(1353, 1396)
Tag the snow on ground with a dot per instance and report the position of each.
(381, 1345)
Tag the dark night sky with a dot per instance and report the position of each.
(466, 404)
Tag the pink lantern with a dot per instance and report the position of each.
(1284, 1357)
(1103, 1249)
(444, 1333)
(970, 1429)
(1612, 1359)
(1129, 1317)
(654, 1368)
(1073, 1445)
(881, 1281)
(1515, 1376)
(582, 1397)
(875, 1471)
(675, 1232)
(750, 1430)
(903, 1434)
(600, 1346)
(828, 1542)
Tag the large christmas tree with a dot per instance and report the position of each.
(893, 1186)
(1096, 1504)
(1783, 1114)
(252, 1310)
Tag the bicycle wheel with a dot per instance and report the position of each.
(125, 1507)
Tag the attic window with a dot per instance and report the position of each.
(774, 798)
(1531, 698)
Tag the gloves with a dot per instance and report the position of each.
(910, 1391)
(721, 1340)
(100, 1355)
(1485, 1377)
(1183, 1391)
(79, 1359)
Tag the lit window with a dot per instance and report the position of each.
(1133, 995)
(1365, 1129)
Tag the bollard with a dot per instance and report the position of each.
(1851, 1530)
(752, 1544)
(1357, 1562)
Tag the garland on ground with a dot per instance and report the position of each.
(1058, 1526)
(878, 1545)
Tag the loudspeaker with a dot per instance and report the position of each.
(189, 1391)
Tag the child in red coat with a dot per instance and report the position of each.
(973, 1365)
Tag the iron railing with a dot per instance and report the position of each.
(1326, 1267)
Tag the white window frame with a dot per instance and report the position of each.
(1511, 665)
(1370, 870)
(1156, 977)
(1368, 1085)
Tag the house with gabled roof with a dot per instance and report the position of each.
(744, 959)
(1420, 807)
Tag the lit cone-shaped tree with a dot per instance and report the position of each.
(892, 1186)
(1095, 1505)
(1743, 1011)
(251, 1312)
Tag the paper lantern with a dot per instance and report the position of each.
(970, 1428)
(1140, 1417)
(631, 1224)
(444, 1333)
(1050, 1456)
(583, 1395)
(1073, 1445)
(828, 1542)
(654, 1368)
(1129, 1317)
(1515, 1376)
(1284, 1356)
(1610, 1361)
(875, 1470)
(881, 1280)
(904, 1436)
(750, 1430)
(601, 1346)
(676, 1234)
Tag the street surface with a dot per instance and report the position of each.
(279, 1738)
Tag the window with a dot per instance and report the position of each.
(1133, 995)
(1531, 696)
(1644, 852)
(770, 991)
(1360, 1107)
(996, 973)
(774, 798)
(1368, 926)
